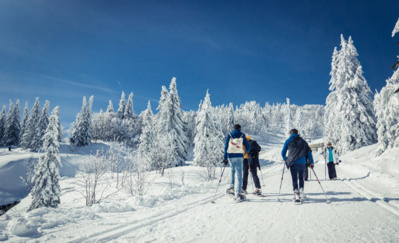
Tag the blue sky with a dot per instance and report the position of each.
(239, 50)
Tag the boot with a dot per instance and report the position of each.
(302, 193)
(230, 191)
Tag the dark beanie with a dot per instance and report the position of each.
(237, 126)
(294, 131)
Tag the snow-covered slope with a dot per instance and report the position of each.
(178, 207)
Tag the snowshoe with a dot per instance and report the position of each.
(240, 198)
(230, 192)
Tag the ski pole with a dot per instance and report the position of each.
(325, 164)
(219, 183)
(252, 178)
(327, 200)
(261, 173)
(282, 176)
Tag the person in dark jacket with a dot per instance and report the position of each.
(298, 152)
(234, 151)
(251, 161)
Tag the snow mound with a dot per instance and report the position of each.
(114, 207)
(3, 236)
(49, 218)
(22, 227)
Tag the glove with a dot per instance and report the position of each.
(311, 166)
(225, 161)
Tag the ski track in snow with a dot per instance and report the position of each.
(355, 214)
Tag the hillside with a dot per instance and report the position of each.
(177, 207)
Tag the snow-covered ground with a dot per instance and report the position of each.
(178, 208)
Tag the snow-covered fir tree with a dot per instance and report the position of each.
(41, 127)
(189, 119)
(27, 140)
(122, 106)
(110, 107)
(170, 129)
(386, 105)
(12, 126)
(145, 150)
(129, 112)
(81, 128)
(2, 123)
(208, 139)
(25, 118)
(46, 190)
(349, 115)
(59, 127)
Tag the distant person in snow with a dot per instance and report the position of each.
(331, 157)
(298, 152)
(9, 148)
(234, 152)
(251, 161)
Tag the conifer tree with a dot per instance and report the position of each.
(25, 118)
(122, 106)
(12, 127)
(41, 127)
(208, 139)
(129, 112)
(177, 124)
(2, 123)
(31, 126)
(110, 107)
(349, 115)
(162, 146)
(386, 105)
(46, 190)
(145, 150)
(81, 128)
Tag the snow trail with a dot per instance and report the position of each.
(356, 213)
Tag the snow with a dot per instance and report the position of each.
(395, 29)
(364, 207)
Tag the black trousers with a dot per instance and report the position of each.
(331, 170)
(306, 175)
(246, 173)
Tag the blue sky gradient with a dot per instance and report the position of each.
(239, 50)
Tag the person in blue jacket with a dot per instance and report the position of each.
(298, 152)
(235, 154)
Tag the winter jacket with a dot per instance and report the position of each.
(331, 154)
(253, 155)
(236, 134)
(298, 151)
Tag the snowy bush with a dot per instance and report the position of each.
(92, 177)
(21, 227)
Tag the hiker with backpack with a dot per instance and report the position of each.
(330, 155)
(298, 152)
(234, 152)
(251, 161)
